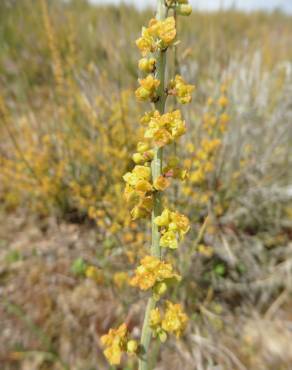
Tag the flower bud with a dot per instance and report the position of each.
(149, 155)
(142, 147)
(132, 346)
(162, 336)
(138, 158)
(184, 9)
(160, 289)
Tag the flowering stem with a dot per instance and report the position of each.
(156, 168)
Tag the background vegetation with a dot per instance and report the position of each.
(68, 126)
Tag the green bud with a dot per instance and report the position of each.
(132, 346)
(160, 289)
(142, 93)
(184, 9)
(142, 147)
(162, 336)
(138, 158)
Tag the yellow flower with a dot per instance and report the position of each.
(143, 208)
(161, 183)
(95, 274)
(181, 90)
(210, 146)
(174, 320)
(161, 137)
(146, 118)
(166, 31)
(179, 222)
(164, 219)
(143, 186)
(172, 169)
(197, 177)
(148, 88)
(146, 43)
(132, 346)
(137, 187)
(155, 317)
(142, 147)
(142, 172)
(205, 250)
(164, 129)
(223, 101)
(151, 271)
(147, 65)
(116, 343)
(138, 158)
(175, 224)
(169, 240)
(178, 129)
(224, 118)
(139, 176)
(159, 34)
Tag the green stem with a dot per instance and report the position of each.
(146, 335)
(156, 168)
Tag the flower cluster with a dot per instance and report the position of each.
(144, 154)
(163, 129)
(154, 273)
(160, 130)
(138, 190)
(117, 342)
(158, 35)
(174, 226)
(148, 88)
(181, 90)
(172, 321)
(175, 170)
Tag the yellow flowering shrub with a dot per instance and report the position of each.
(202, 167)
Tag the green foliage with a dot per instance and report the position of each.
(13, 256)
(78, 267)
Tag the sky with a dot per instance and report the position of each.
(285, 5)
